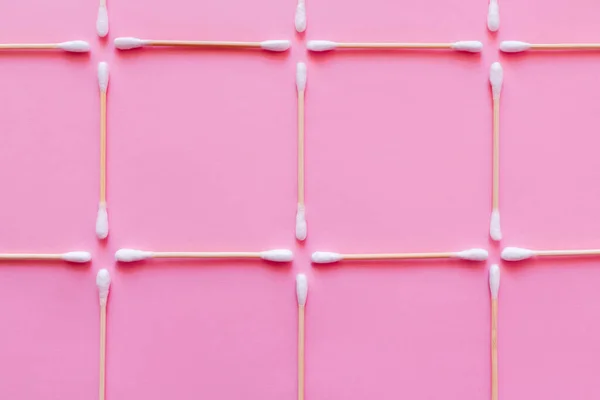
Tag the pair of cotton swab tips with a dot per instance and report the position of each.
(102, 217)
(72, 256)
(131, 255)
(325, 257)
(515, 46)
(327, 45)
(74, 46)
(103, 283)
(128, 43)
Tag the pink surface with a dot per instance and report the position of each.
(202, 156)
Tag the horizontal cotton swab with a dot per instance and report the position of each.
(128, 43)
(518, 254)
(327, 45)
(75, 46)
(103, 283)
(102, 217)
(324, 257)
(515, 46)
(493, 18)
(102, 20)
(130, 255)
(73, 256)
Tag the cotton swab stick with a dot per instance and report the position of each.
(102, 218)
(301, 212)
(75, 46)
(496, 78)
(73, 256)
(103, 283)
(514, 46)
(102, 20)
(326, 45)
(494, 288)
(518, 254)
(493, 18)
(127, 43)
(324, 257)
(301, 293)
(130, 255)
(300, 18)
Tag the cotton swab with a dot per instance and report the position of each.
(128, 43)
(493, 18)
(102, 20)
(324, 257)
(301, 293)
(300, 18)
(518, 254)
(102, 218)
(514, 46)
(301, 212)
(103, 283)
(494, 288)
(75, 46)
(326, 45)
(73, 256)
(131, 255)
(496, 78)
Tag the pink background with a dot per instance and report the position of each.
(202, 156)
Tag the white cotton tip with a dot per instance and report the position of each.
(495, 231)
(473, 255)
(300, 18)
(103, 76)
(279, 255)
(493, 18)
(516, 254)
(301, 230)
(301, 289)
(127, 43)
(131, 255)
(76, 46)
(102, 21)
(301, 76)
(77, 256)
(514, 46)
(102, 222)
(496, 79)
(494, 280)
(321, 45)
(326, 257)
(275, 45)
(470, 46)
(103, 283)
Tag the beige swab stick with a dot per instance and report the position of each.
(73, 256)
(103, 283)
(128, 43)
(75, 46)
(102, 19)
(518, 254)
(496, 78)
(327, 45)
(494, 288)
(102, 217)
(131, 255)
(301, 293)
(301, 229)
(325, 257)
(515, 46)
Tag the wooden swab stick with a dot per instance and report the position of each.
(301, 212)
(130, 255)
(127, 43)
(73, 256)
(75, 46)
(102, 20)
(515, 46)
(518, 254)
(103, 283)
(496, 78)
(494, 288)
(324, 257)
(327, 45)
(102, 218)
(301, 293)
